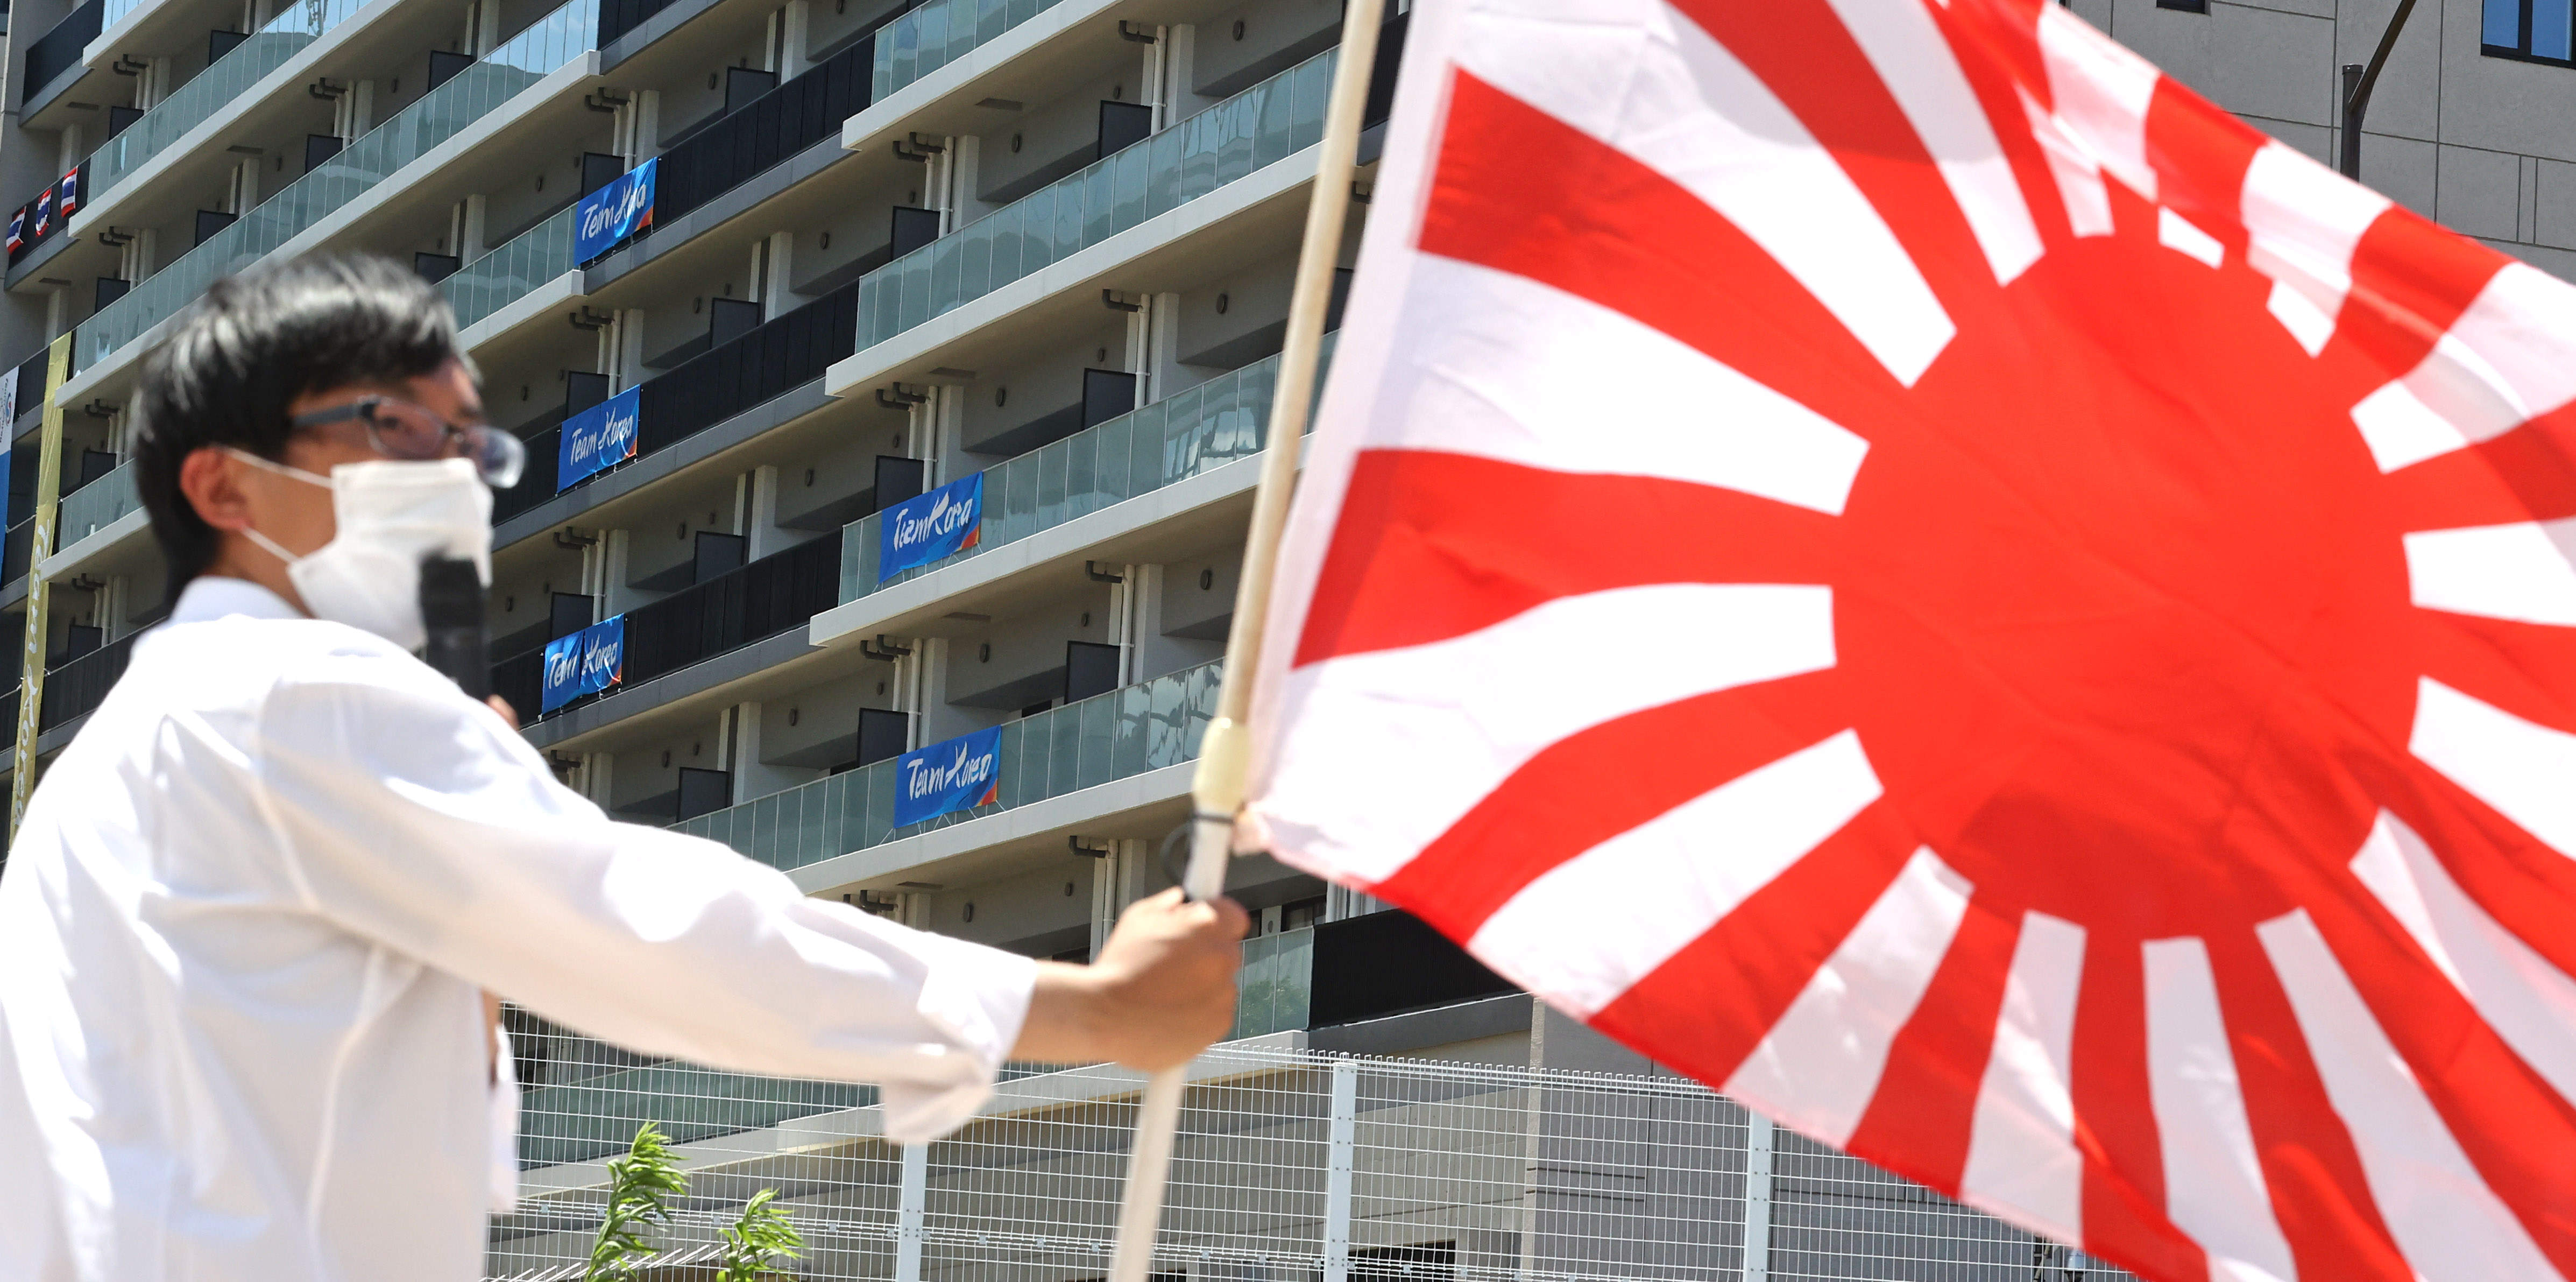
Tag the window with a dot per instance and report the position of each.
(2187, 6)
(2533, 30)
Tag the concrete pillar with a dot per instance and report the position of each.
(762, 519)
(777, 297)
(615, 597)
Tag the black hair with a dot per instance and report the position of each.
(240, 355)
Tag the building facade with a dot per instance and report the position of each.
(1030, 257)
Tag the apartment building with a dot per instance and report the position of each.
(1028, 258)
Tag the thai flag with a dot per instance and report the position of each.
(18, 229)
(67, 197)
(44, 213)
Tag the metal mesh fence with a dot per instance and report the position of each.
(1292, 1166)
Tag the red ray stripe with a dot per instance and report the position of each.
(1803, 53)
(2517, 1132)
(1597, 783)
(2527, 669)
(2007, 31)
(2319, 1197)
(2200, 155)
(1917, 1124)
(1989, 69)
(2410, 280)
(1431, 546)
(2115, 1121)
(1707, 1007)
(2527, 887)
(1518, 191)
(2527, 474)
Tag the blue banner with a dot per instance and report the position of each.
(614, 212)
(587, 662)
(942, 523)
(959, 774)
(600, 437)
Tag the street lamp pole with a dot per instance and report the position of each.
(2358, 81)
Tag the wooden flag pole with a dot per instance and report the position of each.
(1216, 792)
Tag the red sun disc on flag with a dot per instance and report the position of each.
(1902, 563)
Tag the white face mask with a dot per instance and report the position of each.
(391, 516)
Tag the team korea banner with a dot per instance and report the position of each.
(587, 662)
(948, 776)
(1897, 560)
(614, 212)
(600, 437)
(930, 527)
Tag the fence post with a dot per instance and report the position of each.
(1757, 1198)
(1337, 1172)
(911, 1208)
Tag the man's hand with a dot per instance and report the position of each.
(1162, 989)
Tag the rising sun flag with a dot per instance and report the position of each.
(1904, 564)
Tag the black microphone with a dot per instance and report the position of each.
(451, 604)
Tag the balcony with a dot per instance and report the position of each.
(1169, 441)
(59, 50)
(413, 132)
(1117, 735)
(1262, 125)
(97, 505)
(512, 272)
(75, 688)
(774, 594)
(229, 77)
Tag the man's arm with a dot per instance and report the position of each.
(415, 817)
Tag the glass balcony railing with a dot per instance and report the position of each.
(97, 505)
(231, 76)
(939, 33)
(511, 272)
(1265, 123)
(1171, 440)
(1278, 983)
(439, 115)
(1123, 733)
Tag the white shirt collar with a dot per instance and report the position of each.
(210, 596)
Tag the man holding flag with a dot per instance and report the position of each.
(2107, 743)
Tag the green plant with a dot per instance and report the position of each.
(640, 1185)
(761, 1235)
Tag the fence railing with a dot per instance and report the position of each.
(940, 32)
(1189, 432)
(437, 116)
(77, 687)
(510, 273)
(97, 505)
(58, 50)
(1290, 1166)
(1116, 735)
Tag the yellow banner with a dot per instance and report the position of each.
(31, 667)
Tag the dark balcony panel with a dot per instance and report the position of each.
(1089, 668)
(704, 791)
(220, 42)
(743, 85)
(1106, 394)
(78, 686)
(445, 66)
(537, 484)
(568, 613)
(31, 381)
(913, 228)
(1389, 962)
(94, 466)
(1123, 125)
(320, 148)
(617, 17)
(210, 223)
(21, 543)
(435, 267)
(520, 681)
(764, 598)
(110, 289)
(883, 734)
(583, 390)
(598, 169)
(80, 640)
(899, 479)
(715, 555)
(119, 117)
(1390, 57)
(729, 319)
(59, 50)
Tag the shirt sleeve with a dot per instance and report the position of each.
(413, 815)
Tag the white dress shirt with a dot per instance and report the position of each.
(243, 934)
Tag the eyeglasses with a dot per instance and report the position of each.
(402, 430)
